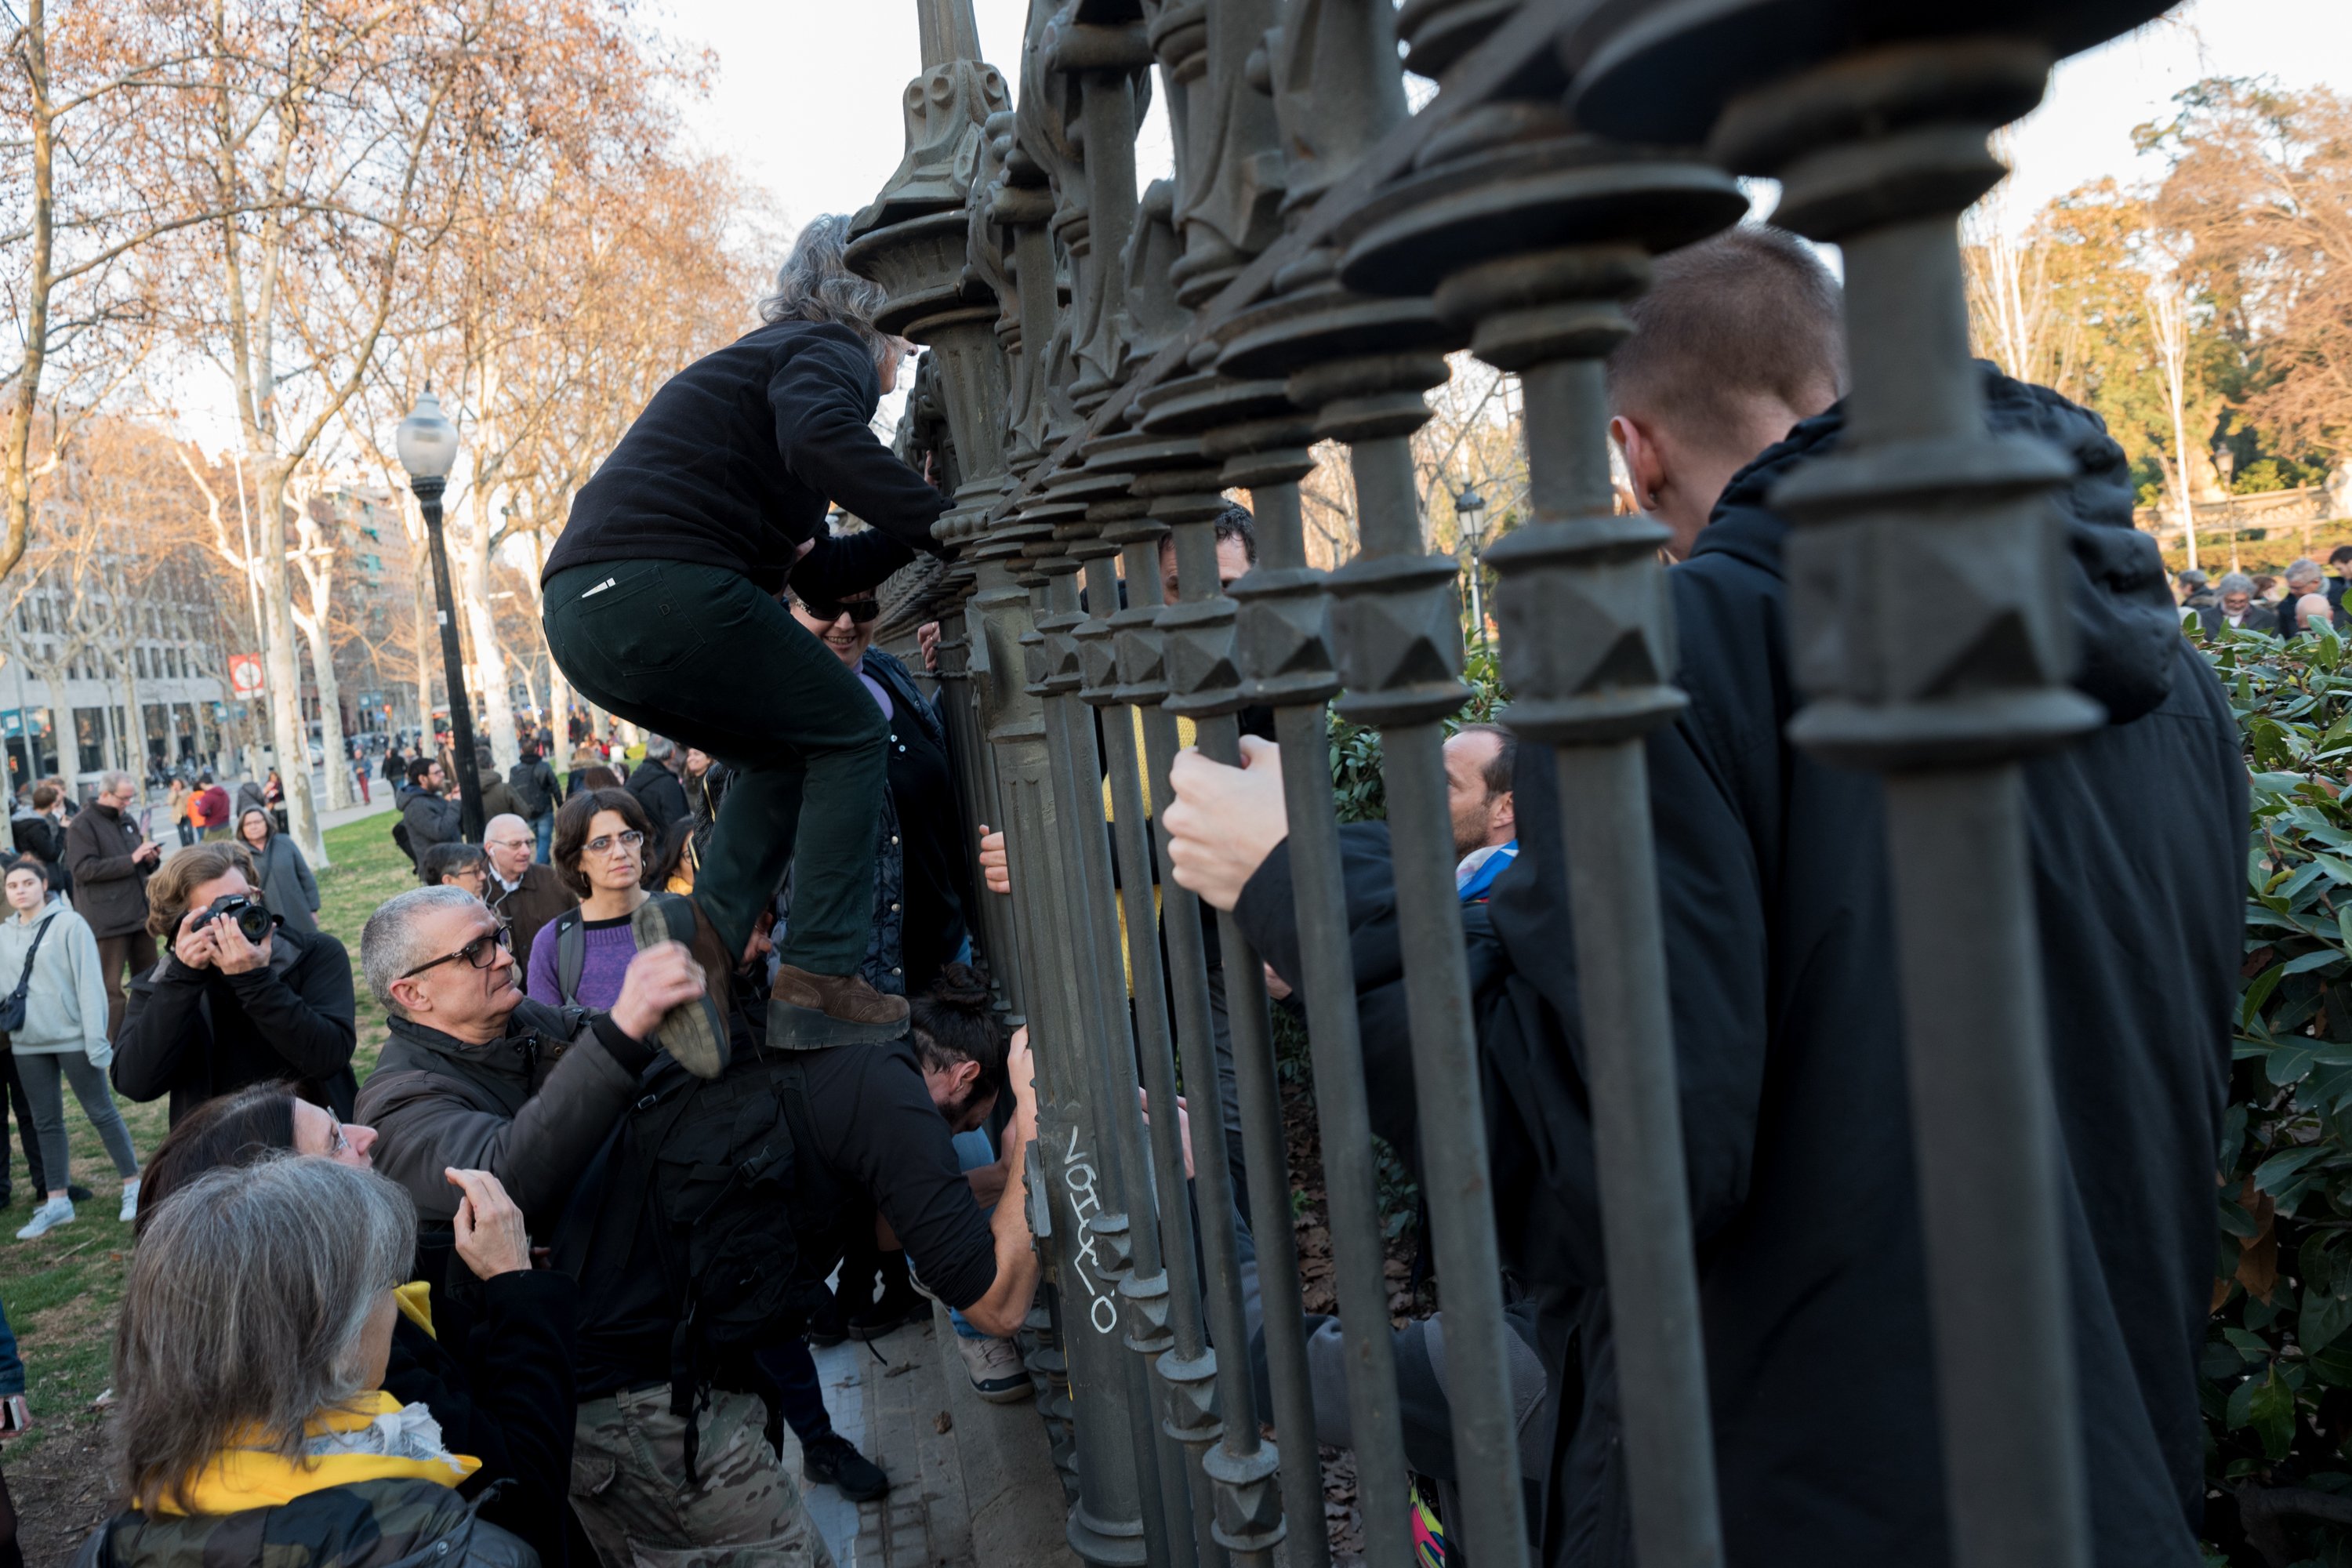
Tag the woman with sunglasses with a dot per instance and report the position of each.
(660, 606)
(577, 959)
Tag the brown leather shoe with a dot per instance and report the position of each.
(695, 1035)
(809, 1012)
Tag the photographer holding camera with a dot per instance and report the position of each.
(238, 998)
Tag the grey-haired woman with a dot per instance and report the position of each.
(279, 872)
(661, 607)
(251, 1419)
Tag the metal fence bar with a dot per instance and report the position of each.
(1533, 254)
(1396, 616)
(1250, 1518)
(1163, 1291)
(1097, 1177)
(1879, 147)
(1202, 685)
(1283, 644)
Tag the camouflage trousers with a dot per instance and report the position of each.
(629, 1487)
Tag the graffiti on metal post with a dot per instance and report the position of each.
(1078, 1176)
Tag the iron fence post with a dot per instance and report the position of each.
(1929, 633)
(1531, 237)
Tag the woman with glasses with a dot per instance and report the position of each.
(491, 1361)
(577, 959)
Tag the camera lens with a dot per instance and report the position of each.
(253, 921)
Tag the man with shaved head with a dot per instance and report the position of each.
(521, 891)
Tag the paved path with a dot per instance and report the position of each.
(971, 1483)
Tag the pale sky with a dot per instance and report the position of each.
(807, 94)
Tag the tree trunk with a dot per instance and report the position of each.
(330, 714)
(288, 736)
(497, 716)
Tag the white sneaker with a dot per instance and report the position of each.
(53, 1212)
(995, 1366)
(129, 1201)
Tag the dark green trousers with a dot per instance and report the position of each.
(700, 654)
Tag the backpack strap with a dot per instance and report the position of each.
(25, 980)
(571, 954)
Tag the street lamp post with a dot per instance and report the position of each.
(427, 444)
(1466, 507)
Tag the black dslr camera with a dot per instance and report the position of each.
(251, 919)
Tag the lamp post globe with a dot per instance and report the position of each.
(427, 442)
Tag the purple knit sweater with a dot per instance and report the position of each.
(604, 959)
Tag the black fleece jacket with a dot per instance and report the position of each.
(1773, 875)
(734, 460)
(193, 1033)
(496, 1372)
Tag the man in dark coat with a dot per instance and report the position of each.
(220, 1012)
(426, 810)
(534, 784)
(521, 891)
(109, 861)
(655, 785)
(1779, 931)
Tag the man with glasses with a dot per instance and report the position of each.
(110, 860)
(475, 1076)
(523, 892)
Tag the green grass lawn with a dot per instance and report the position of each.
(60, 1291)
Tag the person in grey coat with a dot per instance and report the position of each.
(62, 1040)
(279, 872)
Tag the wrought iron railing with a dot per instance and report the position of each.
(1104, 363)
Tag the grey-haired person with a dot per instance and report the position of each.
(251, 1417)
(660, 606)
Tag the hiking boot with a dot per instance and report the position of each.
(994, 1367)
(836, 1462)
(809, 1012)
(53, 1212)
(695, 1035)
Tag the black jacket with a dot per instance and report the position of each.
(431, 820)
(110, 887)
(734, 461)
(534, 784)
(530, 1108)
(496, 1372)
(196, 1033)
(664, 798)
(1778, 934)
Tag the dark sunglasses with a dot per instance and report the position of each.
(858, 610)
(480, 952)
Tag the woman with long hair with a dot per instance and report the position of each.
(660, 606)
(278, 869)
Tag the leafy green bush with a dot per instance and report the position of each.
(2276, 1380)
(1356, 748)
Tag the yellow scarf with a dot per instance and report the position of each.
(236, 1480)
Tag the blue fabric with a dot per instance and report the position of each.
(799, 1392)
(11, 1370)
(972, 1151)
(1472, 888)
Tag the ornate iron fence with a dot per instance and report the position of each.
(1104, 363)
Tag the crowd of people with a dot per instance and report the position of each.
(687, 1067)
(2304, 601)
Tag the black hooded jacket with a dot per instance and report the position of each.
(1781, 963)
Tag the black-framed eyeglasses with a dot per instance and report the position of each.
(860, 611)
(480, 952)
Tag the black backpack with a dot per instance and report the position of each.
(716, 1162)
